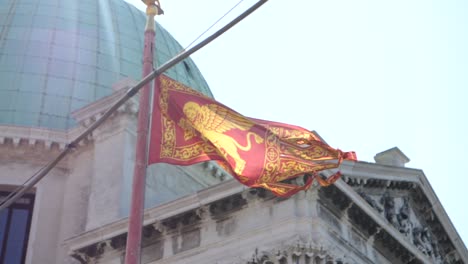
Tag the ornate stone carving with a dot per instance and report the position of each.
(398, 212)
(226, 205)
(403, 218)
(202, 212)
(186, 219)
(422, 240)
(89, 254)
(370, 201)
(119, 242)
(158, 226)
(299, 254)
(81, 257)
(388, 204)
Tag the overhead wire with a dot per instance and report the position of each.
(212, 25)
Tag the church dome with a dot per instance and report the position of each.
(58, 56)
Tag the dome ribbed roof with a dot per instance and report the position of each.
(58, 56)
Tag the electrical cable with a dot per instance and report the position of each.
(210, 27)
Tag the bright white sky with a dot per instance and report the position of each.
(367, 75)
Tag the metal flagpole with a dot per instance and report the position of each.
(135, 222)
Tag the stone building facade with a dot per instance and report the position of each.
(63, 64)
(377, 213)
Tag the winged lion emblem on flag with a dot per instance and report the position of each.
(212, 121)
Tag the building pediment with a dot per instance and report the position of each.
(403, 198)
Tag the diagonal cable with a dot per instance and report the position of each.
(214, 24)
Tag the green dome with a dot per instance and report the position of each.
(58, 56)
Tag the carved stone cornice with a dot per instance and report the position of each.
(379, 183)
(32, 136)
(35, 144)
(300, 253)
(176, 214)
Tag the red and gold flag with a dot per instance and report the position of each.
(188, 127)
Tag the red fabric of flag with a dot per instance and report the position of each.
(188, 127)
